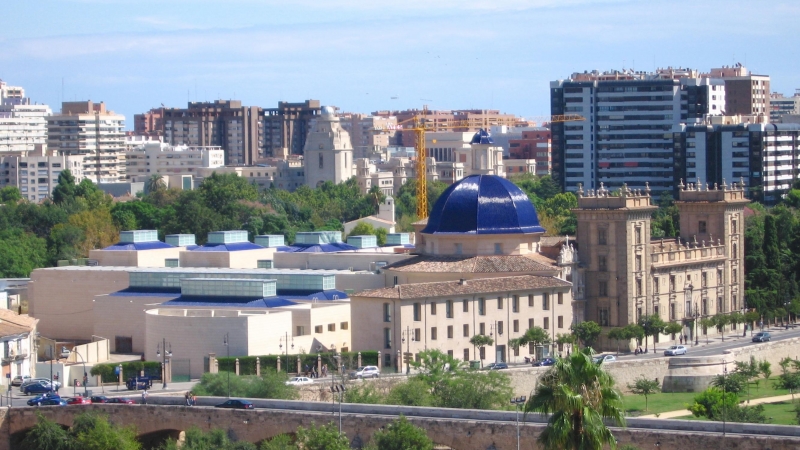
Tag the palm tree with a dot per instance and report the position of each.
(156, 183)
(578, 395)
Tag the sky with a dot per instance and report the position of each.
(369, 55)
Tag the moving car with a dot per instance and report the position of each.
(100, 399)
(19, 379)
(79, 401)
(762, 336)
(38, 388)
(53, 402)
(497, 366)
(36, 401)
(675, 350)
(544, 362)
(604, 359)
(299, 380)
(123, 400)
(366, 372)
(236, 404)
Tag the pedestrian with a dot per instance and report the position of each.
(194, 400)
(144, 397)
(686, 338)
(680, 338)
(186, 398)
(308, 369)
(324, 371)
(85, 378)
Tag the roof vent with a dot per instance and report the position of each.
(462, 282)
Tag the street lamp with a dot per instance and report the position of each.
(340, 389)
(226, 342)
(85, 391)
(516, 402)
(724, 412)
(167, 353)
(285, 340)
(407, 338)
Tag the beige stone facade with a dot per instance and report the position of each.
(243, 259)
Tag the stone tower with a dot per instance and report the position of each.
(328, 152)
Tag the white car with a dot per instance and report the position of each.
(366, 372)
(675, 350)
(296, 381)
(604, 359)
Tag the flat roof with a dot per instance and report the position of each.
(225, 270)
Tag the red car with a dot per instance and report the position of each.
(124, 400)
(79, 401)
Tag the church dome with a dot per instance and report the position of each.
(483, 204)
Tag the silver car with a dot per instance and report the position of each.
(675, 350)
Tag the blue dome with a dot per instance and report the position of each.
(483, 204)
(482, 137)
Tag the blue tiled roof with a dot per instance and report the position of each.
(482, 137)
(232, 247)
(330, 294)
(483, 204)
(317, 248)
(139, 246)
(270, 302)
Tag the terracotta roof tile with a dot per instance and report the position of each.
(12, 323)
(455, 288)
(474, 264)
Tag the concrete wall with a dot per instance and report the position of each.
(244, 259)
(131, 258)
(337, 261)
(123, 315)
(91, 352)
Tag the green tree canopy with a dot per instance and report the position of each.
(645, 386)
(587, 332)
(401, 435)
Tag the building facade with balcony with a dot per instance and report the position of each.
(18, 335)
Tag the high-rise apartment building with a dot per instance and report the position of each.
(626, 134)
(36, 174)
(89, 130)
(782, 106)
(224, 123)
(369, 134)
(745, 93)
(12, 95)
(153, 158)
(287, 126)
(149, 124)
(23, 127)
(535, 145)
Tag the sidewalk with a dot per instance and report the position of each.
(685, 412)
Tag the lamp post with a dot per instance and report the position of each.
(340, 389)
(724, 412)
(407, 338)
(696, 319)
(516, 402)
(226, 342)
(786, 304)
(85, 391)
(167, 353)
(285, 340)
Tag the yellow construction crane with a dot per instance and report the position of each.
(420, 124)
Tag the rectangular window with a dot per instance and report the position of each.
(704, 279)
(483, 352)
(546, 323)
(448, 309)
(331, 327)
(530, 301)
(500, 328)
(449, 332)
(418, 334)
(601, 263)
(482, 328)
(433, 308)
(656, 289)
(417, 312)
(602, 236)
(638, 234)
(465, 305)
(530, 323)
(450, 353)
(701, 227)
(639, 287)
(301, 331)
(318, 329)
(344, 326)
(546, 301)
(433, 333)
(560, 298)
(638, 263)
(466, 354)
(387, 338)
(387, 312)
(560, 321)
(498, 249)
(466, 330)
(720, 279)
(481, 307)
(672, 311)
(515, 303)
(499, 302)
(603, 317)
(672, 283)
(516, 326)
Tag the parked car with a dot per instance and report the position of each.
(19, 379)
(544, 362)
(497, 366)
(366, 372)
(299, 380)
(53, 402)
(38, 388)
(36, 401)
(123, 400)
(38, 380)
(79, 401)
(604, 359)
(236, 404)
(762, 336)
(675, 350)
(100, 399)
(139, 383)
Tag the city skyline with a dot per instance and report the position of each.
(448, 55)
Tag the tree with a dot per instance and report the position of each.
(635, 331)
(324, 437)
(414, 392)
(712, 402)
(21, 253)
(720, 322)
(401, 435)
(618, 334)
(92, 431)
(652, 326)
(10, 194)
(586, 332)
(481, 341)
(644, 386)
(366, 228)
(534, 335)
(706, 323)
(579, 396)
(279, 442)
(46, 434)
(673, 328)
(65, 189)
(156, 183)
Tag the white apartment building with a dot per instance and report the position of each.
(36, 176)
(780, 105)
(155, 157)
(12, 95)
(90, 130)
(23, 128)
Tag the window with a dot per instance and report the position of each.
(498, 249)
(720, 280)
(387, 312)
(417, 334)
(499, 302)
(530, 323)
(448, 309)
(433, 333)
(638, 233)
(483, 352)
(450, 353)
(705, 307)
(433, 308)
(515, 324)
(672, 311)
(560, 298)
(733, 224)
(417, 312)
(720, 308)
(387, 338)
(704, 279)
(465, 305)
(331, 327)
(515, 303)
(301, 330)
(701, 227)
(466, 330)
(466, 354)
(500, 328)
(638, 287)
(672, 283)
(546, 323)
(481, 307)
(638, 263)
(320, 161)
(318, 329)
(603, 313)
(601, 263)
(560, 321)
(602, 236)
(482, 328)
(530, 301)
(546, 301)
(344, 326)
(449, 332)
(459, 248)
(655, 285)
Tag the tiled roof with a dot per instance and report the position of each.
(473, 264)
(455, 288)
(12, 323)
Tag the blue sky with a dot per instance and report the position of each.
(449, 54)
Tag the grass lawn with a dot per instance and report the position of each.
(663, 402)
(781, 413)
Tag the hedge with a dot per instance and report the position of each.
(129, 369)
(247, 364)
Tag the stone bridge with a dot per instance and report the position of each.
(456, 429)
